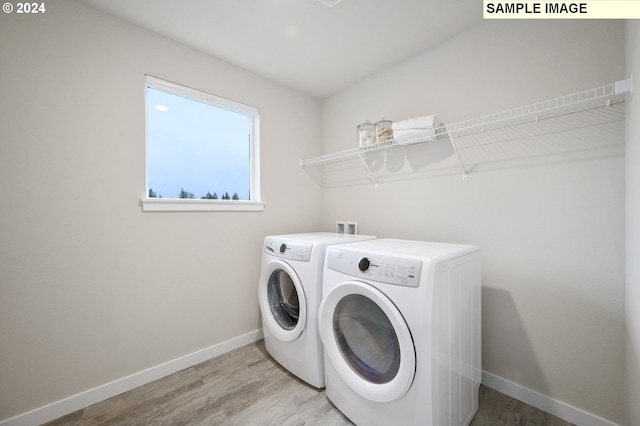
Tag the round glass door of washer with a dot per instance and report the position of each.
(368, 341)
(282, 301)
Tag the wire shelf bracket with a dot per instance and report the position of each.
(372, 178)
(455, 151)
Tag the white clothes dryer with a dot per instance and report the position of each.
(400, 323)
(289, 294)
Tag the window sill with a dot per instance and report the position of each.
(199, 205)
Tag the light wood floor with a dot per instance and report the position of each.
(246, 387)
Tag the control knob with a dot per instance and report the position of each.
(364, 264)
(283, 247)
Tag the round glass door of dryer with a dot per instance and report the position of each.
(282, 301)
(367, 341)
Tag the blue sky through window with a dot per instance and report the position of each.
(197, 147)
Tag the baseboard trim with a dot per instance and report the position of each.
(559, 409)
(100, 393)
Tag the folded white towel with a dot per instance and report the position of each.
(424, 122)
(412, 134)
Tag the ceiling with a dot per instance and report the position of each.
(303, 44)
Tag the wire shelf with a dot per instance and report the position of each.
(577, 110)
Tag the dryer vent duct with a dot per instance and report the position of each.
(350, 228)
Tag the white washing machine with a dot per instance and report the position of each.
(400, 323)
(289, 293)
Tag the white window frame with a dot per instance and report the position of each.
(178, 204)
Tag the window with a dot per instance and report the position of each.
(202, 150)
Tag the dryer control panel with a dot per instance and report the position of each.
(288, 249)
(387, 269)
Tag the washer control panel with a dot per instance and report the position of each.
(288, 249)
(387, 269)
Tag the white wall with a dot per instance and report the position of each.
(91, 288)
(551, 229)
(633, 227)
